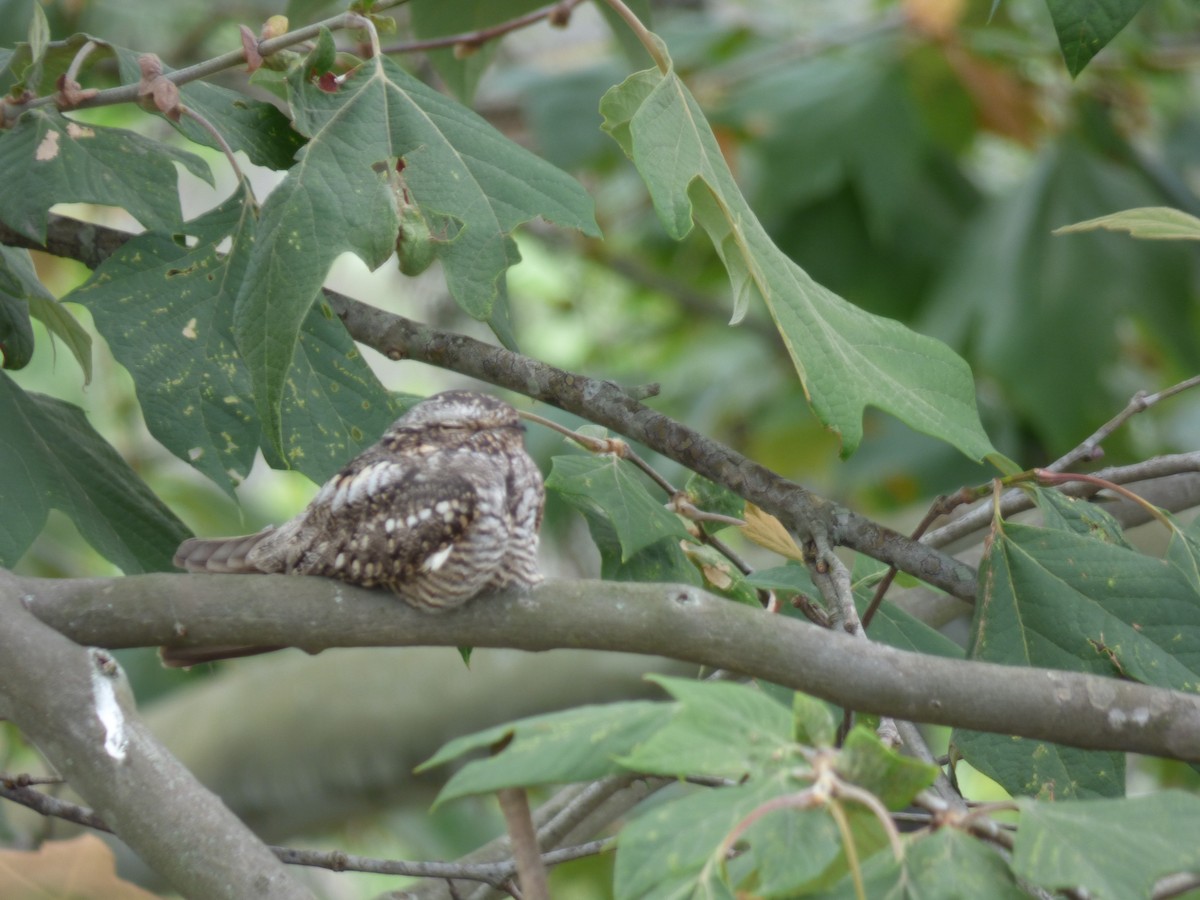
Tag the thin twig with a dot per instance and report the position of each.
(494, 874)
(1090, 449)
(531, 872)
(128, 93)
(557, 13)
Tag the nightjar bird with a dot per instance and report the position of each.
(445, 506)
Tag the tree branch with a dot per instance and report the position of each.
(83, 721)
(679, 621)
(602, 402)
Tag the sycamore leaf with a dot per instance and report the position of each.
(50, 457)
(57, 160)
(1111, 848)
(166, 311)
(363, 126)
(847, 359)
(610, 487)
(1085, 27)
(1158, 223)
(19, 282)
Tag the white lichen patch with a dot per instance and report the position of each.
(108, 710)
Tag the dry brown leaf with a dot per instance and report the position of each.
(767, 531)
(80, 867)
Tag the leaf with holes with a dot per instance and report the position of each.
(339, 196)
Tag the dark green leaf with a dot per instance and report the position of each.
(671, 851)
(1085, 27)
(717, 728)
(339, 197)
(611, 488)
(257, 128)
(573, 745)
(945, 865)
(1065, 513)
(56, 160)
(50, 457)
(791, 579)
(892, 777)
(166, 311)
(19, 282)
(1065, 600)
(1112, 848)
(662, 561)
(1029, 768)
(16, 332)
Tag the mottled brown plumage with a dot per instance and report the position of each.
(445, 506)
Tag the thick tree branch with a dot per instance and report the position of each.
(664, 620)
(83, 721)
(803, 512)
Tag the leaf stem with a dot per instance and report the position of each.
(653, 44)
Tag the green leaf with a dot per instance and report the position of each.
(1063, 513)
(16, 331)
(257, 128)
(1183, 551)
(431, 19)
(609, 487)
(663, 561)
(846, 358)
(1064, 600)
(717, 728)
(892, 777)
(1157, 223)
(813, 723)
(56, 160)
(670, 851)
(713, 498)
(19, 282)
(1085, 27)
(166, 311)
(50, 457)
(947, 864)
(1112, 848)
(338, 197)
(573, 745)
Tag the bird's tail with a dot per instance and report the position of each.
(220, 556)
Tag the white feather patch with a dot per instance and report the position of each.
(436, 560)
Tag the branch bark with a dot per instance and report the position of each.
(659, 619)
(83, 721)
